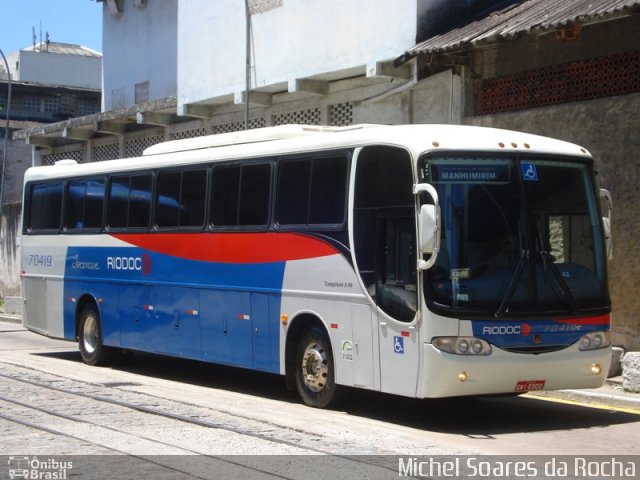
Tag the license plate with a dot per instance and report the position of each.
(529, 385)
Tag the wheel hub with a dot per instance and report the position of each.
(90, 334)
(315, 367)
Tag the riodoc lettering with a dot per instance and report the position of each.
(124, 263)
(502, 330)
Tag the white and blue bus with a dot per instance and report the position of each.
(419, 260)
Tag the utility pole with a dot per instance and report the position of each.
(247, 65)
(6, 133)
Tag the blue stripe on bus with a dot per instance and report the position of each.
(518, 333)
(218, 312)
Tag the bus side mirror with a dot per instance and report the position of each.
(607, 210)
(428, 226)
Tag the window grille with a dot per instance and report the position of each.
(302, 117)
(198, 132)
(109, 151)
(135, 147)
(51, 104)
(570, 82)
(77, 155)
(341, 114)
(237, 126)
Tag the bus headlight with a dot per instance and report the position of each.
(462, 345)
(594, 341)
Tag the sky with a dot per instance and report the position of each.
(67, 21)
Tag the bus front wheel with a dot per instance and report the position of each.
(92, 350)
(315, 378)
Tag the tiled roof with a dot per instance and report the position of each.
(526, 17)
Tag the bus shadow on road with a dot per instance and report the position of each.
(484, 416)
(469, 416)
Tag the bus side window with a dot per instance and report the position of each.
(254, 194)
(224, 199)
(74, 205)
(140, 201)
(241, 195)
(168, 199)
(180, 198)
(328, 191)
(312, 191)
(83, 204)
(130, 201)
(45, 207)
(192, 198)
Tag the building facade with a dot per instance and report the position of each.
(549, 67)
(50, 82)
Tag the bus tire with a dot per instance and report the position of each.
(92, 349)
(314, 370)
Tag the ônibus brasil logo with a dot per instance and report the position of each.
(38, 468)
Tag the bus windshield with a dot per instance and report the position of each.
(519, 237)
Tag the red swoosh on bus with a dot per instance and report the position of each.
(599, 320)
(232, 247)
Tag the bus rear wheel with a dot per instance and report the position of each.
(315, 376)
(92, 349)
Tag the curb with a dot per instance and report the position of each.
(7, 318)
(602, 398)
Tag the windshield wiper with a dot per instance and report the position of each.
(548, 261)
(515, 278)
(513, 283)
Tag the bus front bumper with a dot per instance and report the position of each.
(447, 375)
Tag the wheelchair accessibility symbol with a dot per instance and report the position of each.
(398, 344)
(529, 171)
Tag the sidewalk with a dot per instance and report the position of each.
(610, 394)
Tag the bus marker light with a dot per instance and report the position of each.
(405, 334)
(72, 299)
(435, 144)
(596, 369)
(192, 312)
(514, 145)
(148, 307)
(335, 325)
(462, 376)
(284, 319)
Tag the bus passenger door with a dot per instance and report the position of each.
(396, 296)
(364, 338)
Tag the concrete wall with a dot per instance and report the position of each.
(292, 39)
(18, 160)
(139, 46)
(9, 250)
(607, 128)
(59, 69)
